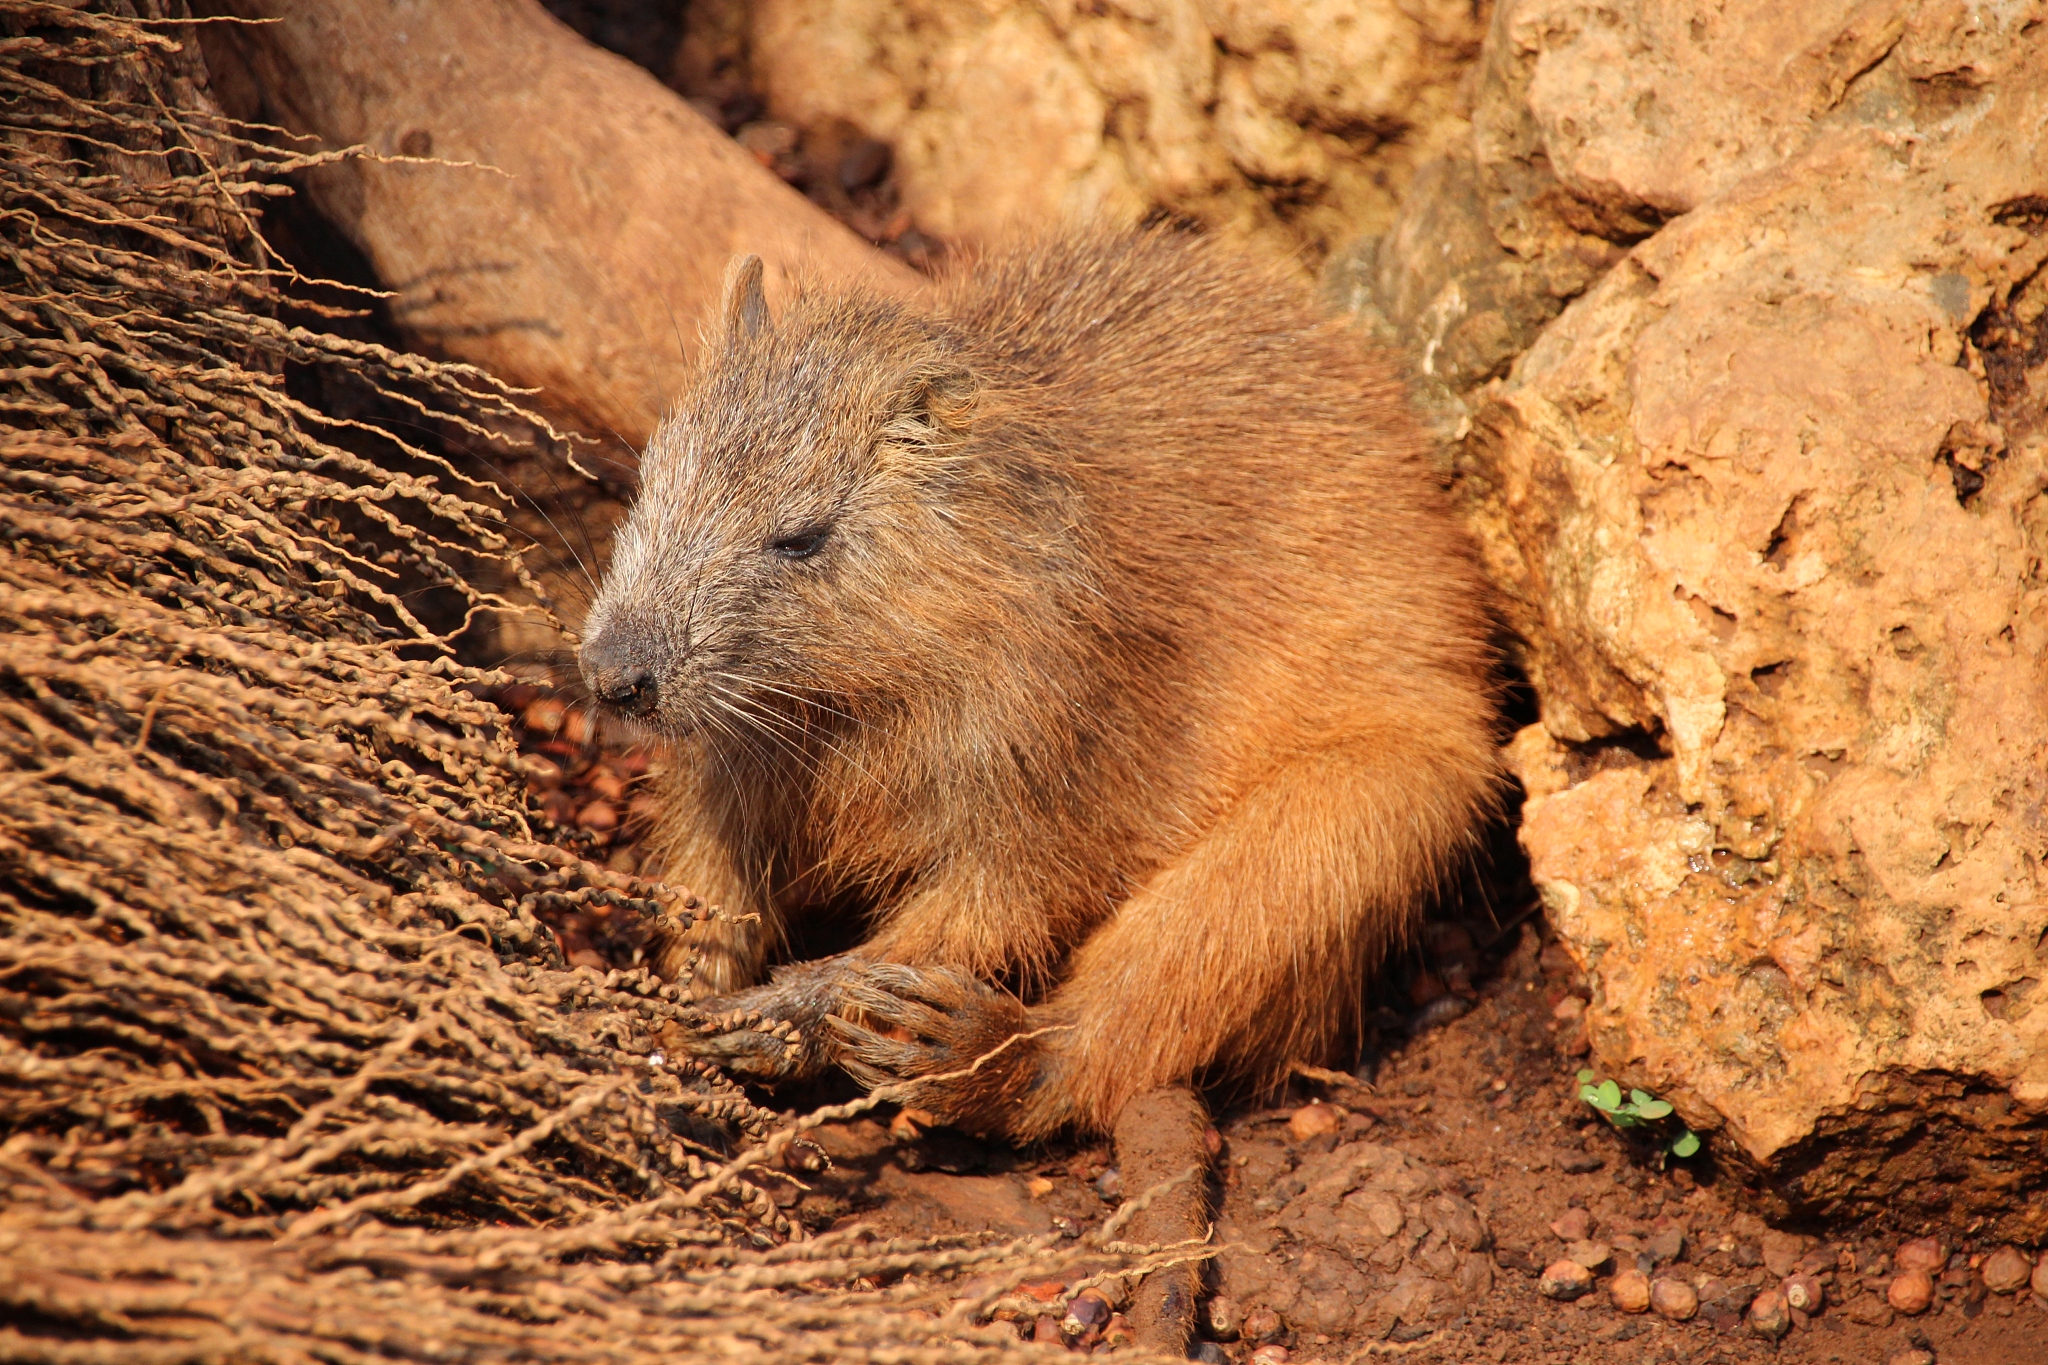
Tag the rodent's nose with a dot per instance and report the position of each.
(628, 689)
(617, 680)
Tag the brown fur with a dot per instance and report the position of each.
(1142, 670)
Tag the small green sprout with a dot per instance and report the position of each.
(1640, 1108)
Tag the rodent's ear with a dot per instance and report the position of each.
(745, 308)
(933, 409)
(943, 400)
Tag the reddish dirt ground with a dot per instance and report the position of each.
(1416, 1206)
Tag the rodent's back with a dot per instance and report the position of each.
(1250, 477)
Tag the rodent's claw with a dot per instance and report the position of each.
(941, 1029)
(764, 1048)
(874, 1060)
(773, 1032)
(893, 1008)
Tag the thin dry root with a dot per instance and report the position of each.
(289, 1069)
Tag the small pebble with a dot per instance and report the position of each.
(1630, 1291)
(1271, 1355)
(559, 807)
(1038, 1187)
(1673, 1298)
(1769, 1315)
(1782, 1251)
(1212, 1142)
(2006, 1271)
(1262, 1324)
(1209, 1353)
(1046, 1330)
(542, 775)
(1803, 1292)
(2039, 1283)
(608, 784)
(1574, 1225)
(1665, 1246)
(1818, 1261)
(1564, 1280)
(1911, 1292)
(598, 817)
(1314, 1120)
(1592, 1255)
(1922, 1253)
(544, 716)
(1087, 1311)
(1910, 1355)
(1225, 1317)
(517, 697)
(1110, 1185)
(578, 727)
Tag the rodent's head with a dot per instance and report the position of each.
(804, 524)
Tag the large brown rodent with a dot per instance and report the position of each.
(1099, 634)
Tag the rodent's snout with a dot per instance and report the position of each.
(616, 671)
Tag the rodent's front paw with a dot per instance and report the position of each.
(955, 1040)
(777, 1031)
(746, 1041)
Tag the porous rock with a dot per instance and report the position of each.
(1297, 121)
(1750, 377)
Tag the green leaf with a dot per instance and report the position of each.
(1640, 1097)
(1686, 1144)
(1653, 1109)
(1609, 1096)
(1585, 1076)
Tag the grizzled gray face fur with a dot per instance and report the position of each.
(784, 506)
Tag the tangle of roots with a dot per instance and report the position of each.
(289, 1070)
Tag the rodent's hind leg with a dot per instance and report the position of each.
(778, 1031)
(966, 1047)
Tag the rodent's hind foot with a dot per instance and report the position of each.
(962, 1047)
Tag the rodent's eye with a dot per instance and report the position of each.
(801, 545)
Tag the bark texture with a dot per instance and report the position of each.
(582, 249)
